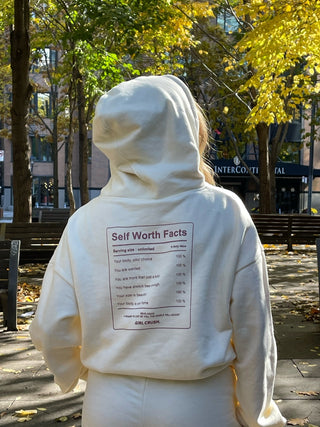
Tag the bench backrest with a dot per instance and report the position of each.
(308, 225)
(271, 223)
(33, 234)
(54, 215)
(294, 224)
(290, 229)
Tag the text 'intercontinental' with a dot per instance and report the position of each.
(243, 170)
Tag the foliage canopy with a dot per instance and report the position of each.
(283, 53)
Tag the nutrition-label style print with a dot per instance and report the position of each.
(150, 276)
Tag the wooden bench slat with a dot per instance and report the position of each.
(54, 215)
(287, 229)
(38, 240)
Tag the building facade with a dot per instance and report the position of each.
(42, 174)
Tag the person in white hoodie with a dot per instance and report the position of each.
(158, 292)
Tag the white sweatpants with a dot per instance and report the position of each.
(127, 401)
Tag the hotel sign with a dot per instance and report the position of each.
(234, 167)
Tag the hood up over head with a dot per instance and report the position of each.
(148, 128)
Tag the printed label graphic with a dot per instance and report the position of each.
(150, 276)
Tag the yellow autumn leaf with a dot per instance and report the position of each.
(77, 415)
(25, 413)
(230, 67)
(13, 371)
(308, 393)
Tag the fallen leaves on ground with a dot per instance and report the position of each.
(28, 293)
(32, 269)
(10, 371)
(25, 415)
(308, 393)
(64, 418)
(300, 270)
(313, 314)
(298, 422)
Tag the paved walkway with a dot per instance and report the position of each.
(27, 386)
(294, 292)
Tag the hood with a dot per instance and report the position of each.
(148, 128)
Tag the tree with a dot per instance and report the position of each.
(271, 56)
(100, 44)
(216, 88)
(281, 53)
(6, 16)
(48, 35)
(21, 92)
(107, 42)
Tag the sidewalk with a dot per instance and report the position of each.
(27, 385)
(294, 293)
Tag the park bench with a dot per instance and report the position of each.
(290, 229)
(54, 215)
(9, 261)
(38, 239)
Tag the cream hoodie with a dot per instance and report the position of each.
(162, 275)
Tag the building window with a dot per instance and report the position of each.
(227, 21)
(44, 59)
(53, 58)
(41, 104)
(41, 149)
(290, 152)
(42, 191)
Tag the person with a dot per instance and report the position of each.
(157, 293)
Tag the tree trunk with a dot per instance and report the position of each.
(21, 92)
(55, 146)
(265, 203)
(276, 144)
(70, 143)
(273, 188)
(72, 203)
(83, 141)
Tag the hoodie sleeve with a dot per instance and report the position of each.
(253, 338)
(56, 328)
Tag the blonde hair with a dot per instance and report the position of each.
(203, 147)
